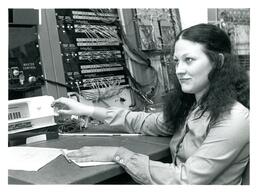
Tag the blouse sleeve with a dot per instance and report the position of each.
(224, 143)
(138, 122)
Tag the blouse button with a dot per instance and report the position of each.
(121, 161)
(117, 158)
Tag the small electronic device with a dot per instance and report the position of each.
(30, 113)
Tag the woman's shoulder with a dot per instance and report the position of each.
(238, 118)
(234, 125)
(237, 115)
(239, 110)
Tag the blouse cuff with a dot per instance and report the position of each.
(137, 165)
(123, 155)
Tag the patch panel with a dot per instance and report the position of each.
(91, 46)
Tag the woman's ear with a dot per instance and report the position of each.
(221, 59)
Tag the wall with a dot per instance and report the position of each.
(199, 16)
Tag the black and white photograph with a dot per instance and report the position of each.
(129, 96)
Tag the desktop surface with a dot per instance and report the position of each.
(60, 171)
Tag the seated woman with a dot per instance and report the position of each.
(206, 115)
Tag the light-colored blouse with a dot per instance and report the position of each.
(218, 156)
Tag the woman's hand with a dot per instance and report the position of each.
(72, 107)
(96, 153)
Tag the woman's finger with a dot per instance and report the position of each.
(57, 102)
(65, 112)
(61, 100)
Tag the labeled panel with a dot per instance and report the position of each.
(24, 66)
(91, 48)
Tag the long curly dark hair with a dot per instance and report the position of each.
(229, 81)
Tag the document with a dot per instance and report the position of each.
(30, 158)
(34, 158)
(96, 163)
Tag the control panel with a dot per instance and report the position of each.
(91, 48)
(24, 66)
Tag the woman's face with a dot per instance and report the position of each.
(192, 67)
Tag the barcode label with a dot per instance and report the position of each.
(14, 115)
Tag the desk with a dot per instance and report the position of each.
(59, 171)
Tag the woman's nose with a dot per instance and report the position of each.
(180, 68)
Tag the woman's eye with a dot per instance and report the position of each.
(189, 60)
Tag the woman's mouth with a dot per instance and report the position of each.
(184, 80)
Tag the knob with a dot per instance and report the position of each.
(15, 72)
(31, 79)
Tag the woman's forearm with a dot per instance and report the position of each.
(99, 113)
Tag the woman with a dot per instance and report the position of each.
(207, 115)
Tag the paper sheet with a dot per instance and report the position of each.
(34, 158)
(30, 158)
(86, 164)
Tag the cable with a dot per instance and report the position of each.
(132, 53)
(149, 101)
(138, 87)
(104, 19)
(56, 83)
(137, 53)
